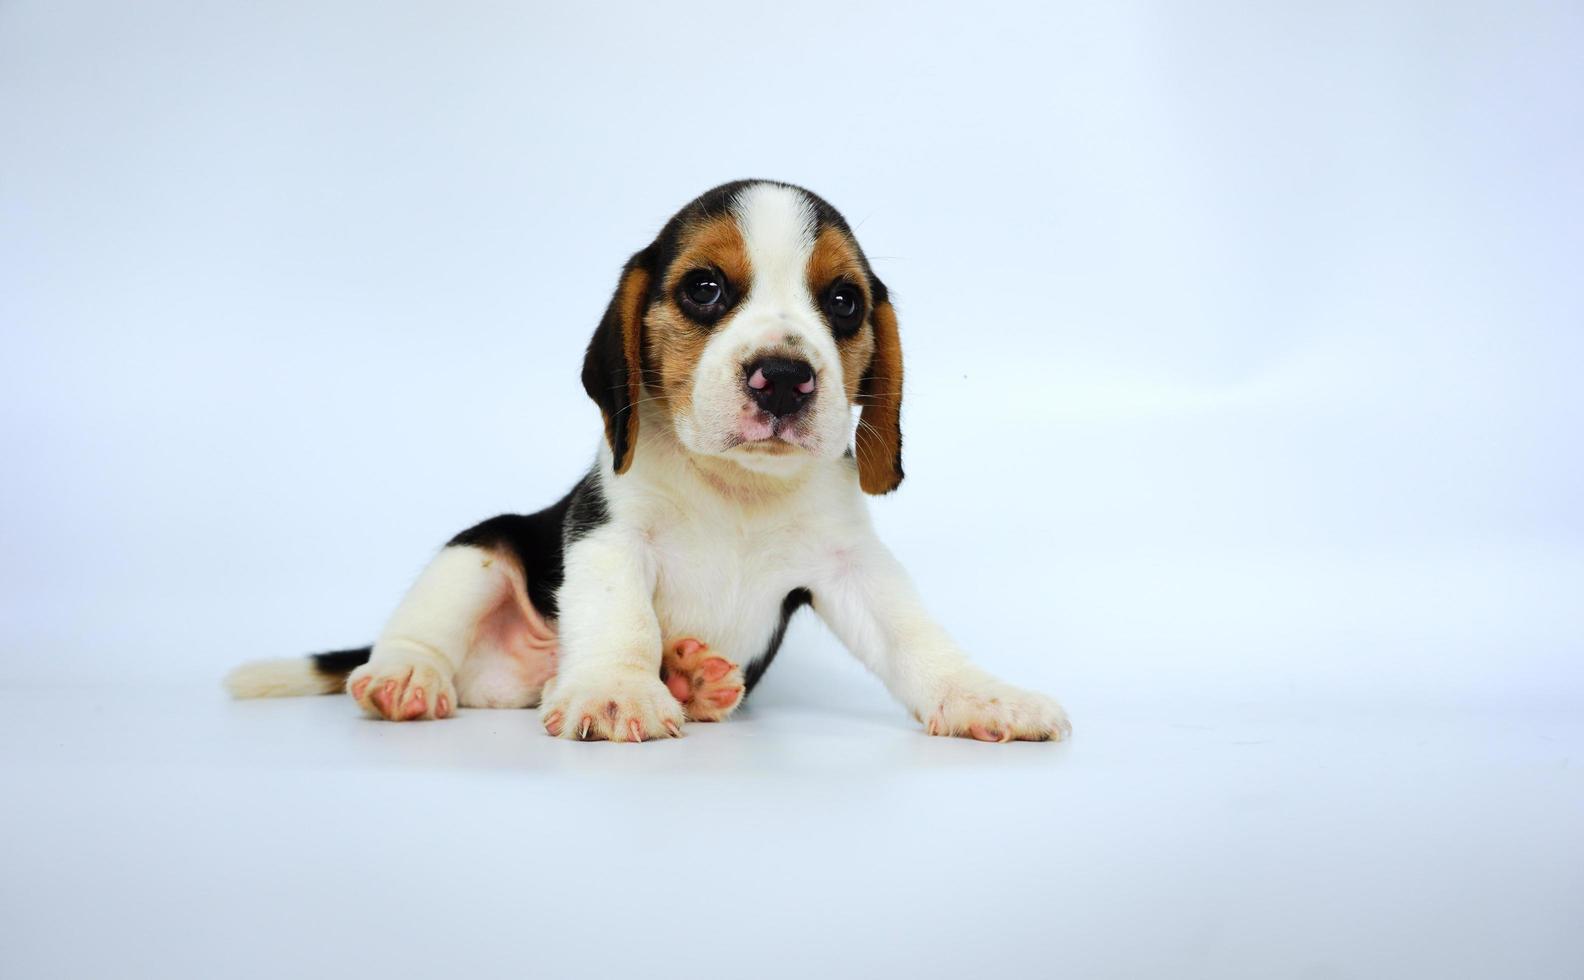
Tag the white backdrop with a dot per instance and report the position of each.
(1243, 345)
(1243, 415)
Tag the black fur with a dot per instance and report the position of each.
(795, 600)
(337, 664)
(586, 511)
(539, 540)
(605, 374)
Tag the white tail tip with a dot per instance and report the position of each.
(286, 678)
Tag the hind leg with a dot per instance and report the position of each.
(455, 603)
(513, 651)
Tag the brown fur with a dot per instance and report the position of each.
(676, 343)
(630, 299)
(672, 344)
(871, 363)
(835, 256)
(714, 242)
(879, 442)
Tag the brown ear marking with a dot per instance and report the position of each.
(879, 441)
(612, 368)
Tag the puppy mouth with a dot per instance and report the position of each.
(770, 447)
(761, 432)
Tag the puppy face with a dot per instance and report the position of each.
(755, 322)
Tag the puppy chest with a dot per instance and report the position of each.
(723, 590)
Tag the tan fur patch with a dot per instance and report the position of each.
(835, 256)
(675, 342)
(879, 441)
(633, 288)
(714, 242)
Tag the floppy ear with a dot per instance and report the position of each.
(613, 368)
(879, 443)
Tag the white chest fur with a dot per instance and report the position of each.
(723, 560)
(724, 585)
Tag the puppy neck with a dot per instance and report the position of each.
(732, 481)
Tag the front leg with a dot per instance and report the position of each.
(869, 602)
(608, 684)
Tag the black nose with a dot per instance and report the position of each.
(780, 385)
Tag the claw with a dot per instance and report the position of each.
(587, 724)
(443, 707)
(552, 722)
(671, 727)
(634, 731)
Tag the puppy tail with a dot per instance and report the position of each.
(321, 673)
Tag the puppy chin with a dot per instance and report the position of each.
(772, 448)
(771, 457)
(754, 428)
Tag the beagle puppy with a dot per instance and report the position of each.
(727, 494)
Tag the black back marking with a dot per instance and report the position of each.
(538, 541)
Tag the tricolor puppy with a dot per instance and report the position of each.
(728, 493)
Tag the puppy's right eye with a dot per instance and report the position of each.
(704, 295)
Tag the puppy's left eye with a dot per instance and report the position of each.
(845, 306)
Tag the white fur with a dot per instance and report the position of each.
(278, 679)
(718, 553)
(430, 642)
(698, 547)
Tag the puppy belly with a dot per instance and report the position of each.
(512, 656)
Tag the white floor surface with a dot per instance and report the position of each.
(169, 832)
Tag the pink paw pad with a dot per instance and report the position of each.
(707, 686)
(385, 698)
(416, 704)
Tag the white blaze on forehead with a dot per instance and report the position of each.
(778, 225)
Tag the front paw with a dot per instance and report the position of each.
(708, 687)
(981, 707)
(619, 704)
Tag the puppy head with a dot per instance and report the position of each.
(756, 325)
